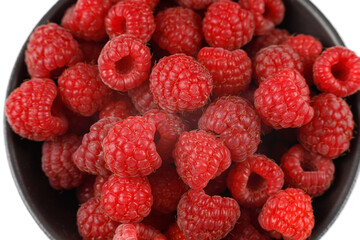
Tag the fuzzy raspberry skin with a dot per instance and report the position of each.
(30, 110)
(311, 172)
(129, 148)
(195, 4)
(283, 100)
(272, 59)
(200, 216)
(235, 120)
(98, 185)
(86, 190)
(50, 47)
(330, 131)
(290, 213)
(119, 106)
(132, 18)
(57, 163)
(124, 62)
(89, 157)
(85, 19)
(179, 83)
(167, 189)
(200, 156)
(337, 71)
(231, 70)
(175, 233)
(142, 98)
(152, 3)
(169, 127)
(92, 221)
(129, 205)
(82, 89)
(227, 25)
(178, 30)
(252, 181)
(125, 231)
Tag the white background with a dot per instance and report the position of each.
(17, 19)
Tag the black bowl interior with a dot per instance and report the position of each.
(55, 211)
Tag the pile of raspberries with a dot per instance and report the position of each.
(186, 119)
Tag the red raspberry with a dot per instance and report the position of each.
(93, 223)
(167, 189)
(124, 62)
(98, 185)
(179, 83)
(130, 17)
(137, 231)
(309, 171)
(30, 112)
(125, 232)
(272, 59)
(283, 100)
(129, 148)
(200, 216)
(337, 71)
(85, 19)
(331, 129)
(191, 118)
(230, 70)
(126, 199)
(227, 25)
(199, 157)
(90, 50)
(89, 157)
(57, 163)
(252, 181)
(237, 123)
(152, 3)
(168, 127)
(178, 30)
(196, 4)
(120, 106)
(175, 233)
(82, 90)
(142, 98)
(275, 37)
(86, 190)
(288, 212)
(50, 47)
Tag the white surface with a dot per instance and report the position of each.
(17, 19)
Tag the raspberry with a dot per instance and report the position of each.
(308, 48)
(137, 231)
(283, 100)
(126, 200)
(129, 148)
(167, 189)
(98, 185)
(235, 120)
(275, 37)
(252, 181)
(227, 25)
(309, 171)
(89, 157)
(199, 157)
(91, 51)
(120, 106)
(336, 71)
(125, 232)
(179, 83)
(124, 62)
(175, 233)
(288, 212)
(272, 59)
(57, 164)
(178, 30)
(86, 190)
(50, 47)
(93, 223)
(152, 3)
(169, 127)
(78, 124)
(191, 118)
(195, 4)
(142, 98)
(230, 70)
(30, 112)
(200, 216)
(130, 17)
(331, 129)
(82, 90)
(159, 221)
(85, 19)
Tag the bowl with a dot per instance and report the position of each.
(55, 211)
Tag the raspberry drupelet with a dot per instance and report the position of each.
(175, 233)
(137, 231)
(196, 4)
(179, 83)
(86, 190)
(119, 106)
(32, 113)
(152, 3)
(124, 62)
(227, 25)
(142, 98)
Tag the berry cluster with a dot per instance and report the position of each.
(175, 123)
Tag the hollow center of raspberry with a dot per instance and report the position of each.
(255, 182)
(308, 167)
(339, 71)
(119, 26)
(125, 65)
